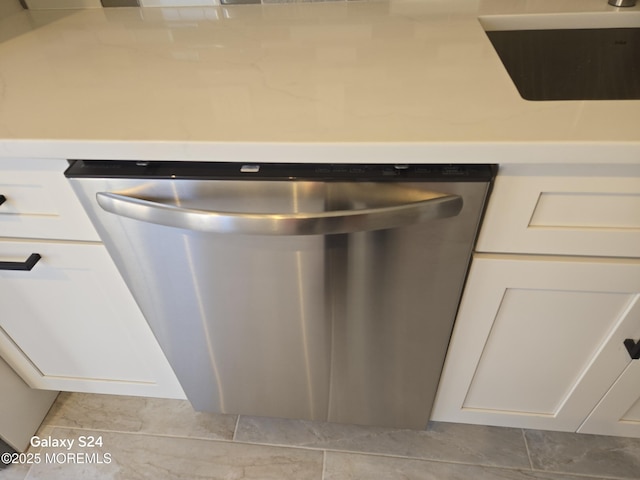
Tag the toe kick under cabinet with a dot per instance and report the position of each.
(67, 320)
(548, 331)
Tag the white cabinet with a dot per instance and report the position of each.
(68, 323)
(539, 338)
(539, 341)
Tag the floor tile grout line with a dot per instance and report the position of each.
(324, 464)
(27, 476)
(526, 446)
(294, 447)
(585, 476)
(481, 465)
(325, 451)
(575, 475)
(579, 475)
(207, 439)
(148, 434)
(235, 429)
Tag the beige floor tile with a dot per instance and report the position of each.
(441, 441)
(14, 472)
(124, 456)
(138, 415)
(166, 439)
(575, 453)
(19, 471)
(347, 466)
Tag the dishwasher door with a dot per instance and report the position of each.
(289, 292)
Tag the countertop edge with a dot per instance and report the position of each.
(369, 152)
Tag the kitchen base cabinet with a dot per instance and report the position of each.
(539, 340)
(70, 323)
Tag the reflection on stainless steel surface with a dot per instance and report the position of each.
(419, 206)
(341, 320)
(622, 3)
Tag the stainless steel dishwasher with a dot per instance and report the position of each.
(324, 292)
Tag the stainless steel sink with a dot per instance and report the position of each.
(591, 56)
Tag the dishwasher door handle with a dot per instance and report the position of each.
(434, 206)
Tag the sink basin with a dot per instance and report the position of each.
(590, 56)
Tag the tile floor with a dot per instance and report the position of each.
(164, 439)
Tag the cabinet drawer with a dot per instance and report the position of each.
(37, 202)
(573, 215)
(70, 323)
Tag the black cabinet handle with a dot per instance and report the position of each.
(28, 264)
(2, 199)
(633, 348)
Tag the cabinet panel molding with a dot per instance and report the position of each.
(633, 414)
(533, 329)
(71, 324)
(587, 210)
(550, 304)
(40, 202)
(591, 215)
(618, 413)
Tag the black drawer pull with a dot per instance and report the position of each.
(28, 264)
(2, 199)
(633, 348)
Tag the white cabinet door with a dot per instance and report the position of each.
(618, 413)
(538, 340)
(71, 324)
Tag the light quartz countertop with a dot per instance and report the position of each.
(372, 81)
